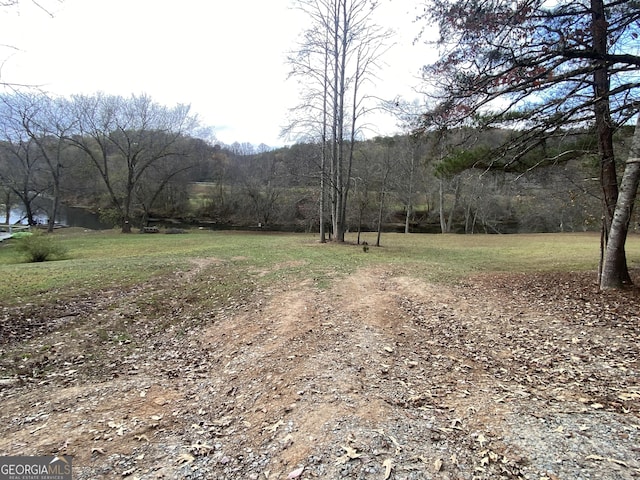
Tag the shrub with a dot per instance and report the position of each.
(40, 247)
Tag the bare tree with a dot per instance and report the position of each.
(124, 137)
(22, 173)
(45, 122)
(23, 169)
(164, 182)
(45, 6)
(338, 55)
(263, 186)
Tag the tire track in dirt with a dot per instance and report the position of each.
(377, 374)
(305, 360)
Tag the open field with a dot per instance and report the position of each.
(269, 356)
(110, 259)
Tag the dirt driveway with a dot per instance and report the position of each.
(380, 376)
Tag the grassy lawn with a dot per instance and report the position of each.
(108, 260)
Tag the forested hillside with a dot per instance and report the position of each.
(429, 184)
(137, 162)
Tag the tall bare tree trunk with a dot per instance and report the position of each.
(341, 68)
(604, 132)
(323, 160)
(615, 258)
(348, 36)
(445, 224)
(335, 132)
(407, 217)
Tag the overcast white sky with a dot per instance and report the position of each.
(226, 58)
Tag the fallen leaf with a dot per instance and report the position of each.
(595, 457)
(388, 466)
(185, 458)
(296, 473)
(98, 450)
(287, 441)
(628, 396)
(607, 459)
(200, 448)
(395, 442)
(351, 454)
(455, 422)
(619, 462)
(437, 465)
(274, 427)
(481, 440)
(222, 422)
(37, 429)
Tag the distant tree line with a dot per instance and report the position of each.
(136, 161)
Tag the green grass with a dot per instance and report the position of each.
(449, 257)
(110, 260)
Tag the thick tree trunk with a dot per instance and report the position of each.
(614, 271)
(604, 132)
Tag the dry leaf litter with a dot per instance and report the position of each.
(381, 376)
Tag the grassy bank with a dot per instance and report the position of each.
(110, 260)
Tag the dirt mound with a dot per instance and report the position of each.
(381, 376)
